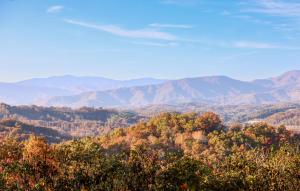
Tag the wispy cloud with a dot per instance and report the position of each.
(254, 45)
(234, 57)
(55, 9)
(261, 45)
(250, 19)
(243, 44)
(240, 44)
(164, 39)
(276, 8)
(157, 44)
(288, 11)
(119, 31)
(92, 50)
(226, 13)
(160, 25)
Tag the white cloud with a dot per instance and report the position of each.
(254, 45)
(160, 25)
(157, 44)
(261, 45)
(233, 57)
(277, 8)
(241, 44)
(250, 19)
(119, 31)
(288, 11)
(225, 13)
(55, 9)
(91, 50)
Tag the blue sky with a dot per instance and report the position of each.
(167, 39)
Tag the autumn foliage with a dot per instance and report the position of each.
(169, 152)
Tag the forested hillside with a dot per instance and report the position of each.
(22, 131)
(86, 121)
(73, 122)
(228, 113)
(289, 118)
(169, 152)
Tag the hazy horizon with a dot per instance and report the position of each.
(145, 77)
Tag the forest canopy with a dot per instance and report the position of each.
(168, 152)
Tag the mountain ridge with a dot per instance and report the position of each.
(80, 84)
(33, 91)
(75, 91)
(208, 89)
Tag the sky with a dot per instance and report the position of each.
(168, 39)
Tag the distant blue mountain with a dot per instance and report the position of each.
(85, 84)
(34, 90)
(102, 92)
(18, 94)
(210, 90)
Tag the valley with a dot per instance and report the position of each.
(70, 123)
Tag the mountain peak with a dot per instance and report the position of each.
(292, 73)
(288, 78)
(209, 78)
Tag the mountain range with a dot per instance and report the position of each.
(101, 92)
(37, 90)
(74, 84)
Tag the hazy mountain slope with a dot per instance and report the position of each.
(210, 90)
(85, 84)
(33, 91)
(285, 87)
(206, 89)
(288, 79)
(17, 94)
(96, 91)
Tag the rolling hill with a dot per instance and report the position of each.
(75, 123)
(21, 130)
